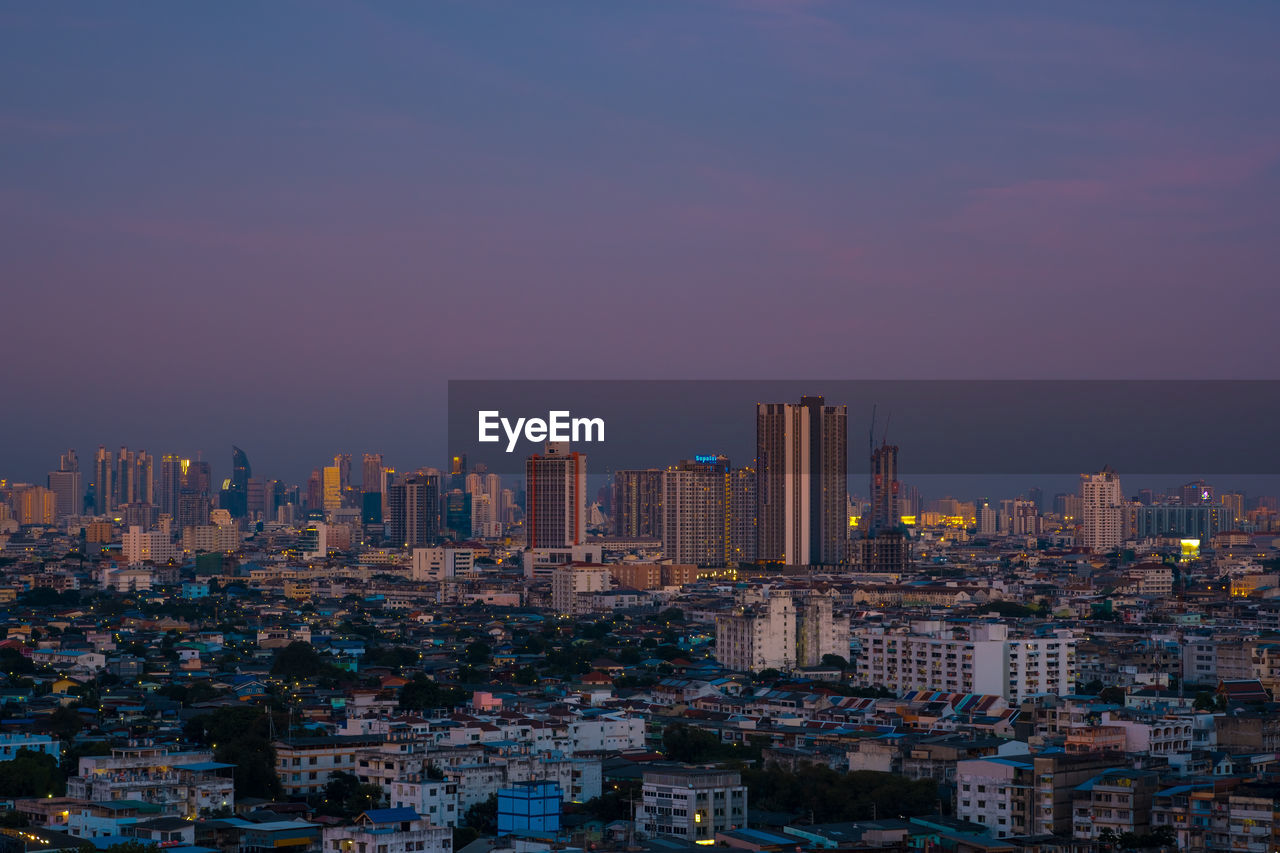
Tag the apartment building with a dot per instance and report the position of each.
(394, 830)
(185, 784)
(691, 803)
(981, 658)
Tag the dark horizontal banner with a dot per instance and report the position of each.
(939, 426)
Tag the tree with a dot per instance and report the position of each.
(831, 796)
(483, 817)
(689, 744)
(346, 796)
(298, 660)
(836, 661)
(31, 774)
(65, 722)
(423, 694)
(241, 736)
(1112, 695)
(1094, 687)
(1203, 701)
(478, 652)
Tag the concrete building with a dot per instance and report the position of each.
(185, 784)
(696, 525)
(784, 632)
(1102, 511)
(555, 497)
(573, 586)
(801, 482)
(981, 658)
(691, 803)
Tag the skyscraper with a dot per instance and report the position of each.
(696, 523)
(1101, 510)
(371, 473)
(414, 511)
(332, 484)
(171, 467)
(556, 484)
(103, 475)
(801, 490)
(236, 497)
(342, 462)
(65, 485)
(637, 503)
(885, 512)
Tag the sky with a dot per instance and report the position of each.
(287, 225)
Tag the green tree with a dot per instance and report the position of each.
(478, 652)
(241, 736)
(346, 796)
(835, 660)
(296, 661)
(689, 744)
(483, 817)
(31, 774)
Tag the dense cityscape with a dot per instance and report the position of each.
(757, 657)
(770, 426)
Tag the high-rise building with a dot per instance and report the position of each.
(195, 488)
(65, 485)
(343, 463)
(555, 515)
(414, 511)
(332, 484)
(802, 491)
(235, 498)
(371, 473)
(885, 512)
(696, 525)
(1026, 518)
(1102, 510)
(572, 587)
(493, 490)
(986, 518)
(457, 513)
(742, 515)
(637, 503)
(170, 485)
(103, 476)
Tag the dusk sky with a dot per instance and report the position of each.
(287, 225)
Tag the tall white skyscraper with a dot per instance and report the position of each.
(555, 495)
(1101, 510)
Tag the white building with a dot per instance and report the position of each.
(13, 743)
(968, 659)
(437, 564)
(542, 562)
(1101, 510)
(148, 546)
(434, 799)
(986, 791)
(573, 588)
(691, 803)
(782, 632)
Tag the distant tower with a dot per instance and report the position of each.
(103, 471)
(555, 514)
(696, 524)
(66, 487)
(1101, 510)
(802, 470)
(235, 497)
(637, 503)
(414, 511)
(885, 510)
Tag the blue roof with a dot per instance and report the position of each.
(391, 815)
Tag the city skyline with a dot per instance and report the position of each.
(369, 222)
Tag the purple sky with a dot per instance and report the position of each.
(286, 225)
